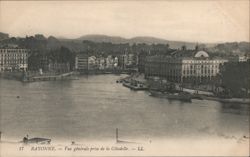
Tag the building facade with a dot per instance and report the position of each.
(127, 60)
(59, 67)
(81, 62)
(197, 68)
(101, 62)
(244, 58)
(141, 61)
(13, 59)
(92, 63)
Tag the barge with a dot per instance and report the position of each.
(136, 86)
(182, 96)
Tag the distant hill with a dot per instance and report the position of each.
(139, 39)
(103, 38)
(234, 48)
(107, 43)
(4, 36)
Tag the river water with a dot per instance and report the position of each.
(92, 107)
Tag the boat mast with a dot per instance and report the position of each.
(116, 133)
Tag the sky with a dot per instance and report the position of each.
(192, 20)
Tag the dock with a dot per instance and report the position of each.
(228, 100)
(64, 76)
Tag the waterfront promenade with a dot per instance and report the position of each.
(138, 82)
(49, 77)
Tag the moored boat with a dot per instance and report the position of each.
(137, 86)
(182, 96)
(197, 96)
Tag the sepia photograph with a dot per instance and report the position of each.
(124, 78)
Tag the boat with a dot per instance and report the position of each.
(135, 86)
(182, 96)
(36, 140)
(197, 96)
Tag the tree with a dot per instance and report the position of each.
(236, 77)
(62, 55)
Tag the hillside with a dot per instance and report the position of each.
(103, 38)
(116, 44)
(3, 36)
(137, 40)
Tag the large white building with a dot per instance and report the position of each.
(13, 59)
(196, 67)
(200, 67)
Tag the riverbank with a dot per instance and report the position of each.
(53, 77)
(98, 72)
(195, 93)
(228, 100)
(33, 76)
(12, 75)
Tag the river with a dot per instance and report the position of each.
(92, 107)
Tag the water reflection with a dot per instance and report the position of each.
(242, 109)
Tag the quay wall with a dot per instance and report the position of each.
(12, 75)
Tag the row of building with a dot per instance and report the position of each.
(16, 59)
(179, 66)
(183, 66)
(84, 62)
(13, 59)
